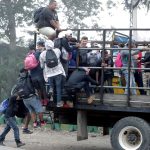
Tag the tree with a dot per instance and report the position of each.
(77, 11)
(14, 13)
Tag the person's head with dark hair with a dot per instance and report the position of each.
(84, 41)
(84, 38)
(40, 45)
(73, 41)
(31, 46)
(23, 73)
(121, 45)
(53, 4)
(105, 53)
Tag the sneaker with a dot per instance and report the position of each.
(42, 123)
(19, 144)
(35, 124)
(1, 143)
(27, 131)
(60, 104)
(91, 99)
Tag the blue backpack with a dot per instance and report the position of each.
(4, 105)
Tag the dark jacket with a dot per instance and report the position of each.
(12, 107)
(146, 60)
(65, 44)
(78, 78)
(109, 62)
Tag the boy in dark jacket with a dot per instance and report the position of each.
(108, 73)
(11, 121)
(80, 79)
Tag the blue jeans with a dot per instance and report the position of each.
(10, 123)
(33, 104)
(132, 82)
(56, 81)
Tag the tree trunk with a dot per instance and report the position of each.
(11, 29)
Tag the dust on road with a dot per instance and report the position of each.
(47, 139)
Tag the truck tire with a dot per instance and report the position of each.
(130, 133)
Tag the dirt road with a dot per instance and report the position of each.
(46, 139)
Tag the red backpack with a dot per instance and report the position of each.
(118, 61)
(30, 62)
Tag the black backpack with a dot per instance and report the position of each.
(24, 87)
(51, 59)
(37, 14)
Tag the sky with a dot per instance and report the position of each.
(119, 18)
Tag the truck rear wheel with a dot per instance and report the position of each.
(130, 133)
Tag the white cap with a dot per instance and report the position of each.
(68, 33)
(49, 44)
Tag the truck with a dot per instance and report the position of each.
(127, 115)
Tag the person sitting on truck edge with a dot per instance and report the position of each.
(80, 79)
(48, 22)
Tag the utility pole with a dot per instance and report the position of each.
(133, 16)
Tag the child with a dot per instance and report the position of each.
(11, 121)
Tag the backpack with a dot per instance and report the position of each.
(118, 61)
(51, 59)
(24, 87)
(92, 59)
(30, 62)
(37, 13)
(65, 56)
(4, 105)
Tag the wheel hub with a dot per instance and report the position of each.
(132, 138)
